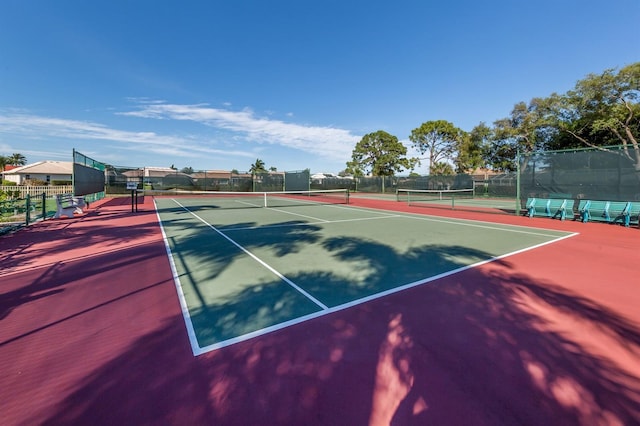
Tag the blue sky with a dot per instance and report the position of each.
(218, 84)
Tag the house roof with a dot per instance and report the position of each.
(44, 167)
(212, 174)
(133, 173)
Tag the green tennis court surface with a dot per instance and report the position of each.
(243, 272)
(456, 198)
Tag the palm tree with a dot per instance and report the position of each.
(17, 159)
(257, 167)
(3, 162)
(441, 168)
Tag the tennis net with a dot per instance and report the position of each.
(230, 200)
(446, 196)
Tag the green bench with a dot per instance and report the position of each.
(550, 207)
(608, 211)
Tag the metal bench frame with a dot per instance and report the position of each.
(67, 205)
(550, 207)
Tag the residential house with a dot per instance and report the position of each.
(45, 171)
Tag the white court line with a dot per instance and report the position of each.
(197, 350)
(246, 203)
(362, 219)
(473, 224)
(298, 214)
(464, 222)
(195, 347)
(362, 300)
(256, 258)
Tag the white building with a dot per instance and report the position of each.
(46, 171)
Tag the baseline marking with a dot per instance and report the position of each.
(191, 332)
(197, 350)
(365, 299)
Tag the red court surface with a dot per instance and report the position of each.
(92, 333)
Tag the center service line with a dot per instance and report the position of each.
(254, 257)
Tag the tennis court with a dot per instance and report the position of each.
(461, 199)
(242, 270)
(505, 324)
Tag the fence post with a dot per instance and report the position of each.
(518, 204)
(44, 206)
(28, 209)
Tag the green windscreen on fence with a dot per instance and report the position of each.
(610, 173)
(297, 180)
(266, 181)
(167, 179)
(88, 177)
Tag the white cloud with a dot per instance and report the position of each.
(235, 134)
(37, 127)
(328, 142)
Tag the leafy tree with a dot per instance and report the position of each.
(187, 170)
(234, 171)
(257, 167)
(381, 153)
(473, 148)
(354, 169)
(526, 130)
(273, 169)
(3, 162)
(439, 138)
(601, 110)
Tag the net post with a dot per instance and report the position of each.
(517, 209)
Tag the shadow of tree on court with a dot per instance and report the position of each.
(58, 237)
(366, 268)
(382, 267)
(157, 381)
(495, 346)
(51, 281)
(488, 345)
(463, 348)
(215, 253)
(72, 246)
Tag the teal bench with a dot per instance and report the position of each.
(634, 213)
(550, 207)
(606, 211)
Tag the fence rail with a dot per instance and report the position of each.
(22, 191)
